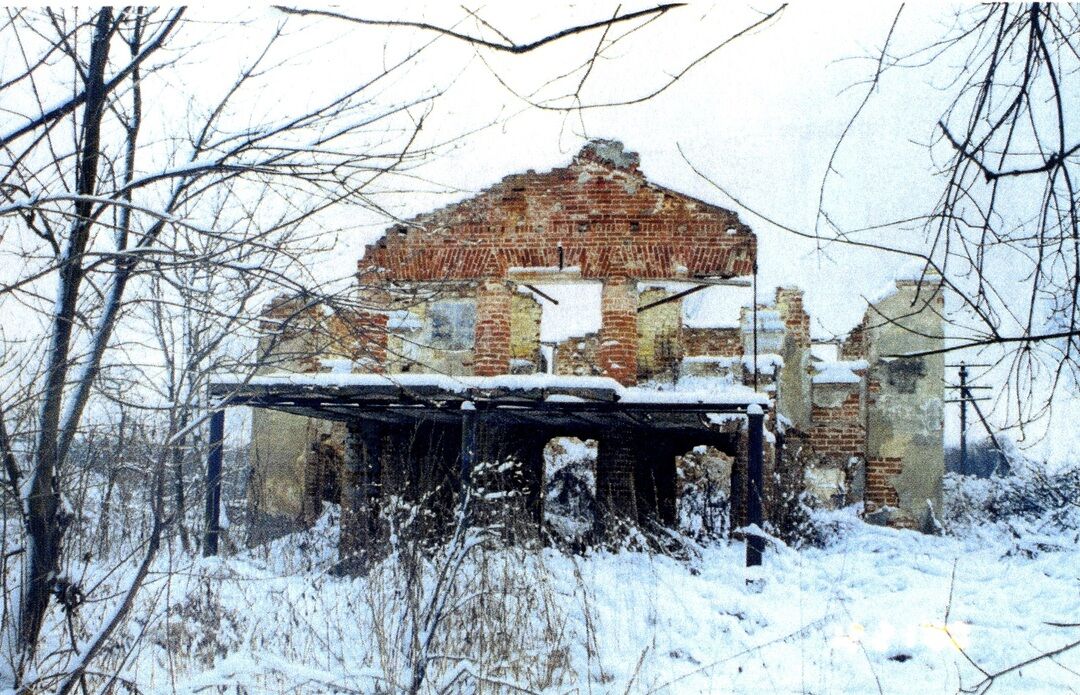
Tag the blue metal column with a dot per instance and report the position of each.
(213, 483)
(755, 487)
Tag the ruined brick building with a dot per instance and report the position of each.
(582, 302)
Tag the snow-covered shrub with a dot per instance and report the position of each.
(200, 628)
(313, 549)
(823, 528)
(793, 507)
(569, 491)
(468, 614)
(454, 624)
(1032, 501)
(704, 491)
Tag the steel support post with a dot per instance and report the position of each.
(213, 483)
(755, 542)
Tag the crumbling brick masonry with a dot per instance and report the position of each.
(460, 291)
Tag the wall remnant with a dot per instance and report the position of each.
(458, 292)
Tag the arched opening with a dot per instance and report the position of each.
(322, 469)
(704, 492)
(569, 500)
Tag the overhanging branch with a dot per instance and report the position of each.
(506, 45)
(998, 340)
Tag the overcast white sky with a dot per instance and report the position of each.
(760, 116)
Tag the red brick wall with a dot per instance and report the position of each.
(617, 351)
(838, 434)
(839, 431)
(491, 354)
(300, 331)
(290, 316)
(606, 219)
(848, 411)
(854, 346)
(789, 302)
(577, 356)
(361, 335)
(838, 439)
(879, 487)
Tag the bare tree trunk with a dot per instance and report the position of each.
(106, 500)
(45, 523)
(125, 264)
(7, 454)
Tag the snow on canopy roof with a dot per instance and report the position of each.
(839, 372)
(732, 394)
(465, 385)
(450, 384)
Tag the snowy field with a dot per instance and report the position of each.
(877, 610)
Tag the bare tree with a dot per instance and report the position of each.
(107, 222)
(140, 239)
(1004, 233)
(1003, 239)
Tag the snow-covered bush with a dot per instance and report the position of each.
(794, 505)
(569, 491)
(704, 505)
(1032, 501)
(825, 528)
(467, 620)
(198, 628)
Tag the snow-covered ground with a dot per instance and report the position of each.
(876, 610)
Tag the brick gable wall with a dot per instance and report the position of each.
(608, 221)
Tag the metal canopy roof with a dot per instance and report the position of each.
(588, 403)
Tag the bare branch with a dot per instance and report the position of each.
(506, 45)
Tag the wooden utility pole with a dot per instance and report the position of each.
(963, 418)
(965, 387)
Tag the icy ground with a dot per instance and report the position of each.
(878, 610)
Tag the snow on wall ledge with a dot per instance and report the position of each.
(839, 372)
